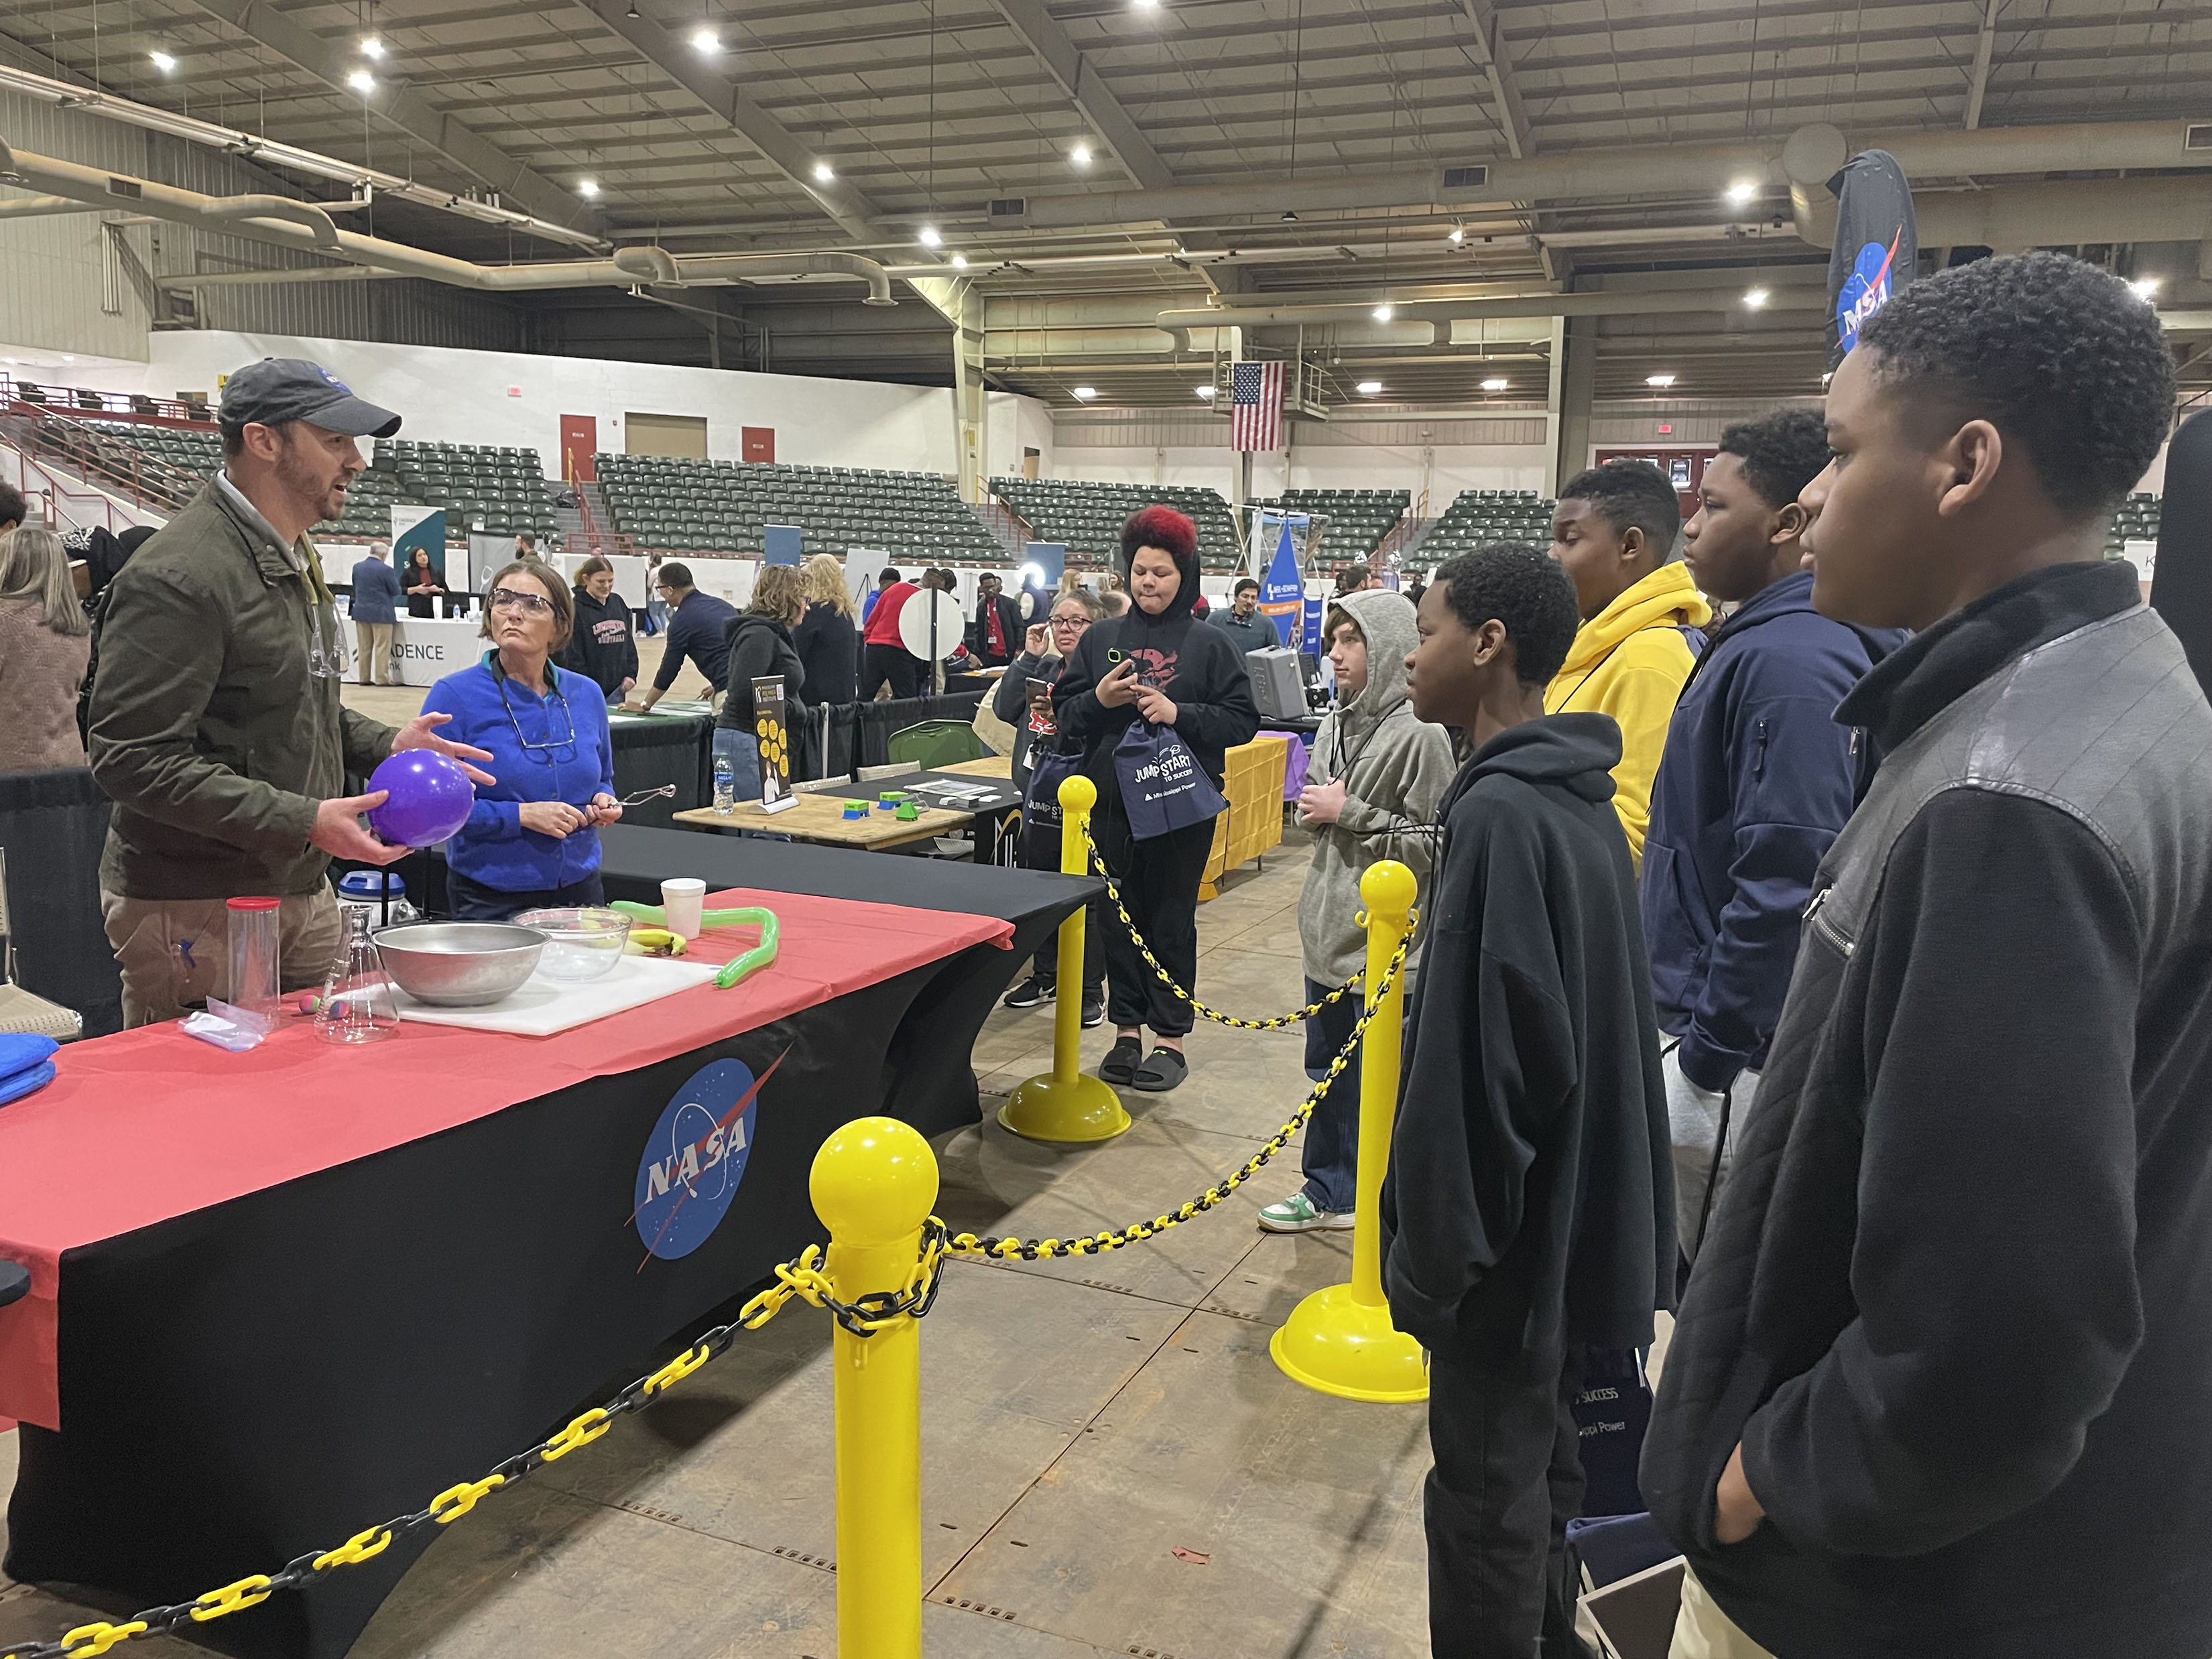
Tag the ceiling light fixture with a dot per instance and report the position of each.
(163, 60)
(2144, 287)
(1493, 385)
(1205, 391)
(1384, 312)
(371, 46)
(929, 238)
(1742, 190)
(1147, 5)
(361, 81)
(1086, 392)
(1080, 155)
(705, 41)
(960, 262)
(588, 189)
(1369, 388)
(1458, 235)
(1756, 298)
(823, 172)
(1661, 380)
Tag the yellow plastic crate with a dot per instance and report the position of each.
(1252, 782)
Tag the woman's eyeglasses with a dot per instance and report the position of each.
(1076, 623)
(506, 598)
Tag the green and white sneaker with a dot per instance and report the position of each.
(1296, 1214)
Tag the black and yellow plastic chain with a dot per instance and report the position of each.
(991, 1247)
(1280, 1022)
(801, 1278)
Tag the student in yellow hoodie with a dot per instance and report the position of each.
(1612, 531)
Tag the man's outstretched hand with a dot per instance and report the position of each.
(421, 732)
(338, 830)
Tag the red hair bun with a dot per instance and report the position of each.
(1162, 527)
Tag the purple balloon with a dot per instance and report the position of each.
(430, 798)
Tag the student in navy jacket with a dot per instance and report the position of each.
(1756, 781)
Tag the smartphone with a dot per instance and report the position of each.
(1040, 691)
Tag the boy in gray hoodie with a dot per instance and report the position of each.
(1371, 792)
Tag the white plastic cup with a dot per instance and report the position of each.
(683, 897)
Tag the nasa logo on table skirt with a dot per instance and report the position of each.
(696, 1156)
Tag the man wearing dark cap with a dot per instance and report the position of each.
(216, 726)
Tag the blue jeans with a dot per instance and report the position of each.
(742, 750)
(1331, 1152)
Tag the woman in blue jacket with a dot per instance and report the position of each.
(532, 839)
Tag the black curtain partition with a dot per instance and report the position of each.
(54, 825)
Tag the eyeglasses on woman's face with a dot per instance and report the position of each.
(530, 605)
(1071, 624)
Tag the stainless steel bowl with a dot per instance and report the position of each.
(458, 964)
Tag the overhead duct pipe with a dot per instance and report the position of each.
(40, 207)
(629, 268)
(1608, 302)
(1811, 155)
(255, 148)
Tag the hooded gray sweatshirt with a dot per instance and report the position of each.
(1395, 769)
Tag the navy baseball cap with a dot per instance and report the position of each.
(277, 390)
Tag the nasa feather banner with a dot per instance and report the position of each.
(1877, 246)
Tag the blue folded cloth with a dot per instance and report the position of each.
(25, 1063)
(20, 1050)
(16, 1084)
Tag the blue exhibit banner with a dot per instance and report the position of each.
(779, 543)
(1282, 593)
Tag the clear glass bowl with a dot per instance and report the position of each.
(581, 944)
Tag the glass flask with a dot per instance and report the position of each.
(357, 1005)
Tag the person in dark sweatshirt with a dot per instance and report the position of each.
(759, 646)
(1940, 1382)
(1755, 781)
(1155, 662)
(1528, 1216)
(698, 633)
(604, 647)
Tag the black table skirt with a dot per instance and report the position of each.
(650, 753)
(270, 1375)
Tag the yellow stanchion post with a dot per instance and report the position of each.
(874, 1184)
(1340, 1340)
(1064, 1104)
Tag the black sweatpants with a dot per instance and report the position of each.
(1158, 879)
(1508, 1479)
(894, 663)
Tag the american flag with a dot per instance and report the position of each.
(1256, 390)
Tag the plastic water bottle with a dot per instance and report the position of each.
(726, 785)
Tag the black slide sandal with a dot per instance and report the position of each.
(1164, 1070)
(1120, 1065)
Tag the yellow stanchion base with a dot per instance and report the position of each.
(1083, 1110)
(1338, 1346)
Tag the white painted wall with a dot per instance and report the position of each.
(515, 398)
(1013, 423)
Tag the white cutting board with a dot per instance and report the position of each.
(540, 1006)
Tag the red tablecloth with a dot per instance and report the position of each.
(150, 1124)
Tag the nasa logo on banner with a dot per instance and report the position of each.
(1865, 291)
(696, 1156)
(1876, 252)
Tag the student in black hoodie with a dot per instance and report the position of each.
(1153, 662)
(759, 642)
(603, 647)
(1941, 1383)
(1528, 1217)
